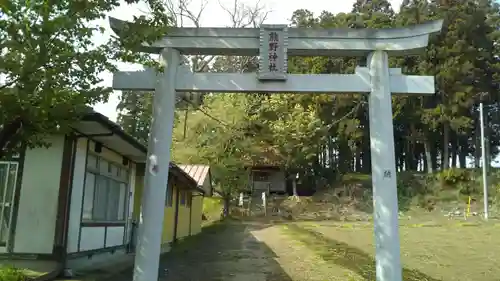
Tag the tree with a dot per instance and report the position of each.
(50, 65)
(135, 107)
(324, 135)
(216, 135)
(198, 135)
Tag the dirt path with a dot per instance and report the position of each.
(300, 263)
(228, 253)
(225, 253)
(241, 251)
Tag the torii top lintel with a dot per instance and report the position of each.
(410, 40)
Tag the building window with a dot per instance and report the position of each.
(105, 193)
(8, 180)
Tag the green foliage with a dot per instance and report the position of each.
(212, 208)
(324, 135)
(8, 273)
(137, 119)
(50, 64)
(223, 145)
(453, 177)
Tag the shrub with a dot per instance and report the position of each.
(411, 184)
(9, 273)
(451, 177)
(470, 188)
(427, 202)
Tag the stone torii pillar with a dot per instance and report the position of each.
(384, 184)
(274, 44)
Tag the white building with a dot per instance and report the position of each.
(71, 203)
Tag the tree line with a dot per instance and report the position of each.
(322, 135)
(50, 70)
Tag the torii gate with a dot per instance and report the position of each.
(274, 43)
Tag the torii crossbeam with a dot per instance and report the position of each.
(187, 81)
(274, 43)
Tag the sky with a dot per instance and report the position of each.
(214, 16)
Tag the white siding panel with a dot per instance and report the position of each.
(77, 195)
(92, 238)
(114, 236)
(36, 219)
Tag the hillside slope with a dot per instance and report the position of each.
(350, 199)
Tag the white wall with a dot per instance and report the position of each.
(36, 219)
(77, 195)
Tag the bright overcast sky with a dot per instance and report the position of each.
(214, 16)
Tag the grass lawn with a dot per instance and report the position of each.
(448, 250)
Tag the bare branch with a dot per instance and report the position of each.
(242, 15)
(259, 14)
(171, 9)
(203, 66)
(182, 14)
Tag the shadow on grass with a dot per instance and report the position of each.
(347, 256)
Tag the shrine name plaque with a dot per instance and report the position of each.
(273, 53)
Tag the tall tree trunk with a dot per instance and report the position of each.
(331, 153)
(454, 151)
(406, 161)
(428, 151)
(400, 159)
(419, 150)
(366, 156)
(414, 156)
(323, 155)
(434, 155)
(358, 158)
(426, 159)
(488, 153)
(344, 156)
(413, 147)
(462, 155)
(294, 182)
(428, 155)
(225, 209)
(445, 160)
(477, 144)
